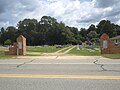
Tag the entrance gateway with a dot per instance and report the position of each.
(108, 46)
(18, 48)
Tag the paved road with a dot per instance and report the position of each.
(58, 84)
(60, 73)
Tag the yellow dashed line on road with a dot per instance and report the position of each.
(57, 76)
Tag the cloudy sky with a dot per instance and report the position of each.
(77, 13)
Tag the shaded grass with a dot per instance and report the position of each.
(49, 49)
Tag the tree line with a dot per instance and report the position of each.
(48, 31)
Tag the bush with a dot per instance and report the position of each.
(7, 42)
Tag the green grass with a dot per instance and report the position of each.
(33, 55)
(47, 49)
(112, 56)
(2, 53)
(85, 52)
(65, 49)
(50, 49)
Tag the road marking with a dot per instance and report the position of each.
(57, 76)
(61, 63)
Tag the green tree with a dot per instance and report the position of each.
(26, 28)
(105, 26)
(91, 28)
(92, 34)
(83, 33)
(76, 35)
(9, 33)
(2, 30)
(7, 42)
(44, 26)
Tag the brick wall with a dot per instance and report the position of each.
(20, 45)
(107, 45)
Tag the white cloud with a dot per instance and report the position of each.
(78, 13)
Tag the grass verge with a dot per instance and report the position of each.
(89, 52)
(112, 56)
(85, 52)
(49, 49)
(3, 56)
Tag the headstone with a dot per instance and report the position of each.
(78, 48)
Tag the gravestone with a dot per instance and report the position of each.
(18, 48)
(107, 45)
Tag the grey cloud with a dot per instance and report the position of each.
(113, 13)
(14, 10)
(105, 3)
(85, 0)
(1, 9)
(85, 20)
(113, 16)
(93, 18)
(29, 5)
(12, 5)
(3, 5)
(113, 19)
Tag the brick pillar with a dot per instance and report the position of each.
(107, 46)
(21, 41)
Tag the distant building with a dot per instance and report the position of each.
(116, 40)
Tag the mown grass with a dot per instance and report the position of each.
(112, 56)
(3, 55)
(85, 52)
(47, 49)
(51, 49)
(66, 48)
(88, 52)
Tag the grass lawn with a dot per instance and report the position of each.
(88, 52)
(2, 53)
(51, 49)
(85, 52)
(66, 48)
(112, 56)
(47, 49)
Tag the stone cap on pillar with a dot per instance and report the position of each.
(104, 36)
(21, 37)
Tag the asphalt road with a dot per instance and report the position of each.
(58, 84)
(60, 73)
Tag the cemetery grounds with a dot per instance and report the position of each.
(53, 50)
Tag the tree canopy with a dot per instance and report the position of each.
(48, 31)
